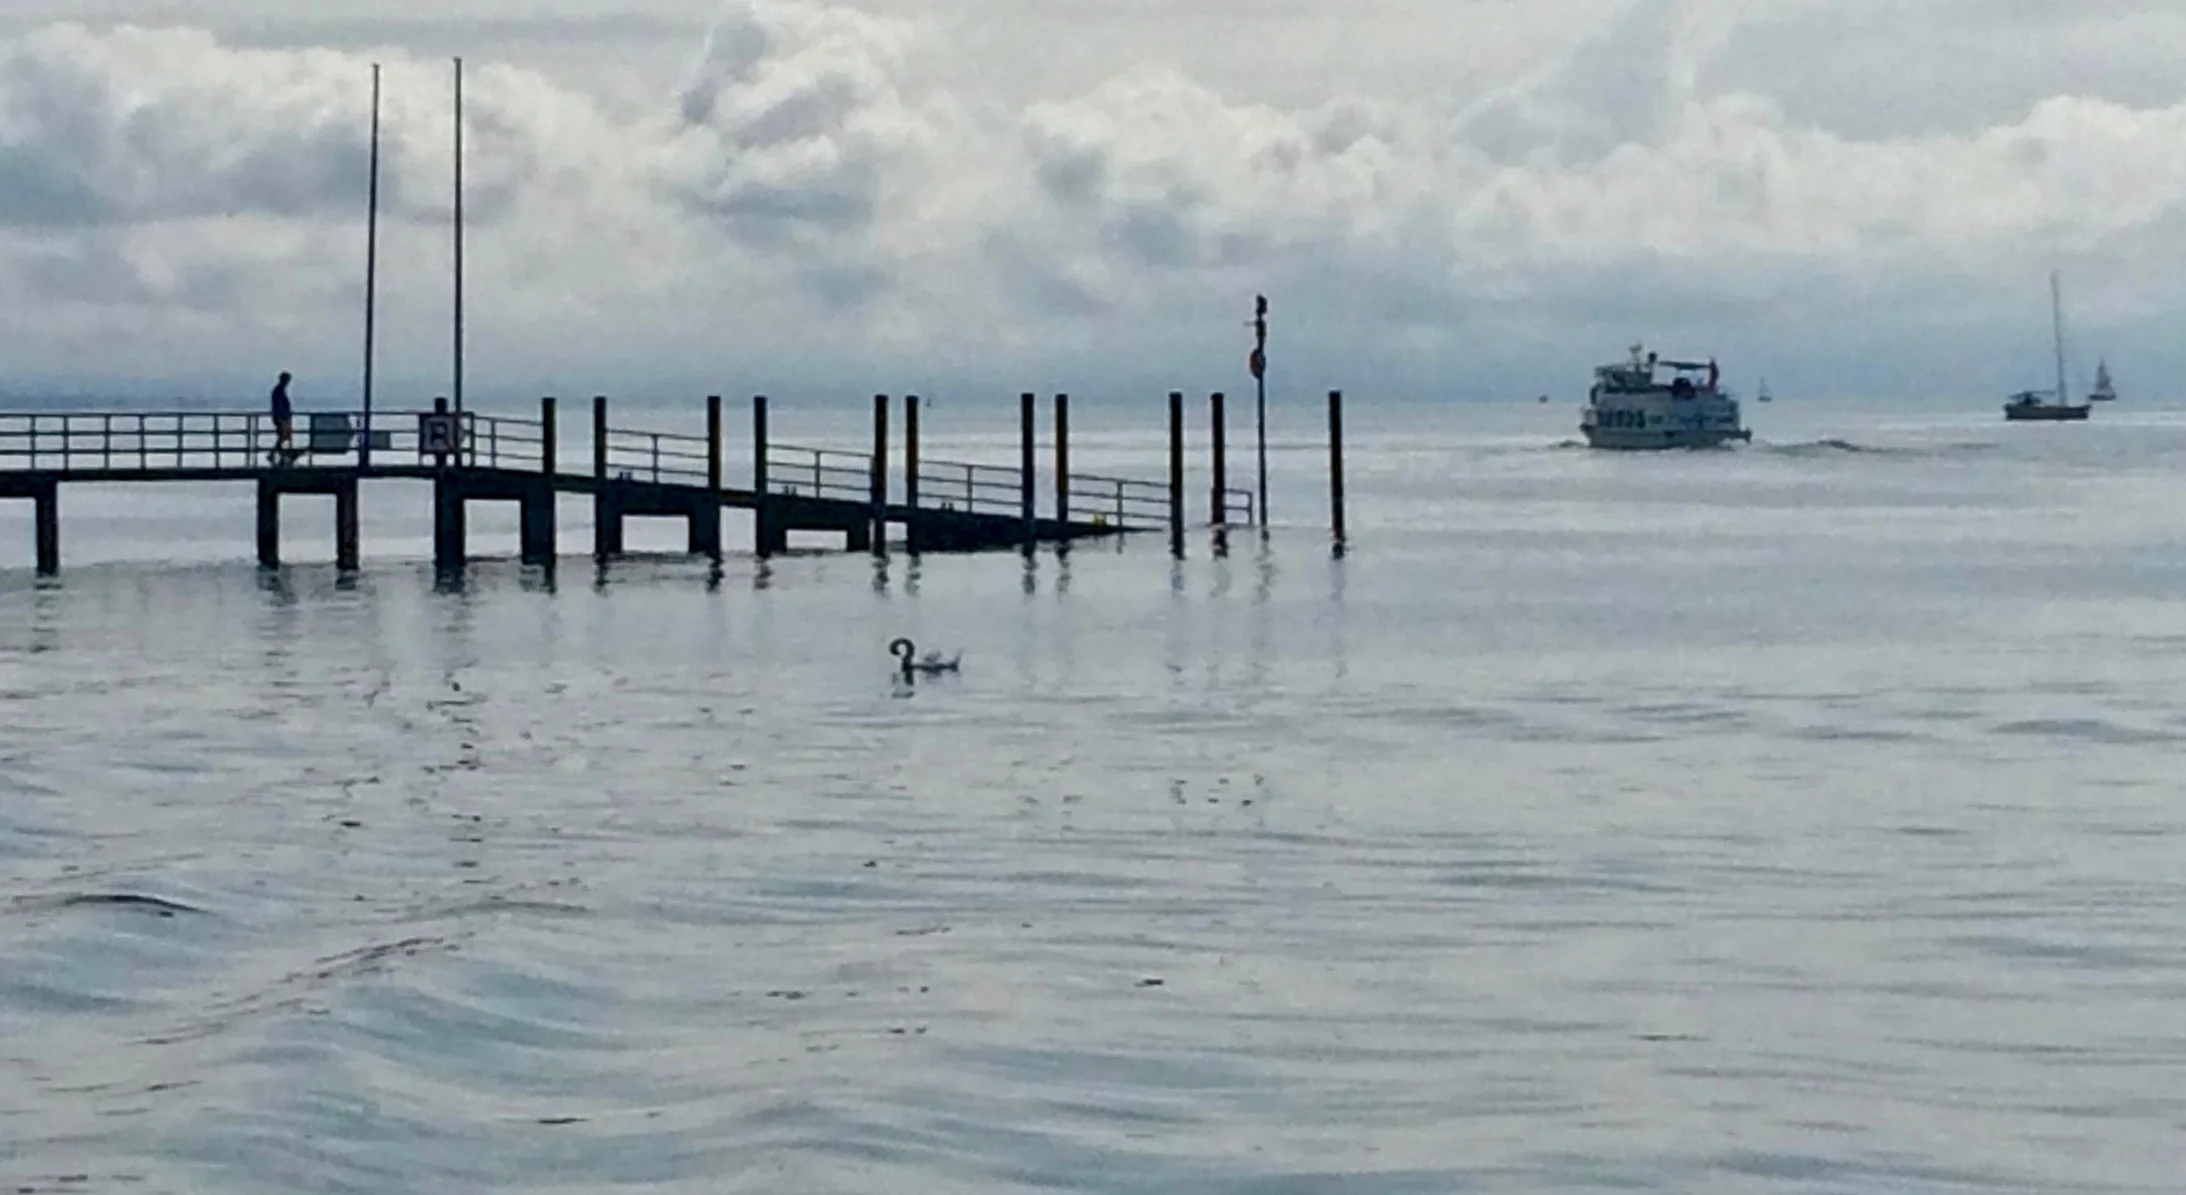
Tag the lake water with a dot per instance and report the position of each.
(1796, 818)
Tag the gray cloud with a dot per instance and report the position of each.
(823, 190)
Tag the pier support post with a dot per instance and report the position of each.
(1219, 451)
(705, 529)
(606, 527)
(879, 544)
(767, 534)
(449, 529)
(1025, 467)
(537, 531)
(269, 525)
(606, 511)
(713, 444)
(1062, 463)
(47, 500)
(910, 474)
(1335, 468)
(345, 525)
(705, 518)
(1176, 473)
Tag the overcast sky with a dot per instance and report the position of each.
(1460, 198)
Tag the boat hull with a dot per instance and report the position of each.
(1624, 439)
(2044, 414)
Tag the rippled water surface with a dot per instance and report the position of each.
(1797, 818)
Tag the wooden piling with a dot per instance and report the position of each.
(767, 535)
(910, 474)
(705, 517)
(46, 498)
(449, 548)
(269, 524)
(549, 440)
(536, 509)
(599, 437)
(713, 443)
(1218, 449)
(703, 520)
(1062, 463)
(1026, 470)
(535, 512)
(1176, 473)
(703, 529)
(346, 552)
(606, 511)
(1335, 468)
(879, 496)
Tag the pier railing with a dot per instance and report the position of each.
(1119, 501)
(143, 441)
(798, 471)
(662, 458)
(971, 488)
(487, 441)
(1237, 508)
(228, 442)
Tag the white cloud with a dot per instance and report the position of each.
(830, 196)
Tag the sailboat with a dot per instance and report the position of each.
(2103, 391)
(1764, 396)
(2037, 406)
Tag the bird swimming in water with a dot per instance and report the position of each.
(929, 664)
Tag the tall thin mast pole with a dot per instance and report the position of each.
(371, 270)
(459, 234)
(2057, 320)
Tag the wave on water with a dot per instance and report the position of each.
(1805, 448)
(155, 905)
(1821, 448)
(1834, 447)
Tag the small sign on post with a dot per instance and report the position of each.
(436, 433)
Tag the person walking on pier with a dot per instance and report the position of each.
(284, 424)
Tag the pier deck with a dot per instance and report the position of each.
(468, 456)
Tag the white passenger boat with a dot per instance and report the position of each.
(1649, 403)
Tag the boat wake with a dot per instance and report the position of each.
(1808, 449)
(1835, 447)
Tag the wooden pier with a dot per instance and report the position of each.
(944, 506)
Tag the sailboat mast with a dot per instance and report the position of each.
(459, 234)
(371, 270)
(2057, 321)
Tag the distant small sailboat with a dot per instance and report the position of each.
(2103, 391)
(2036, 406)
(1764, 395)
